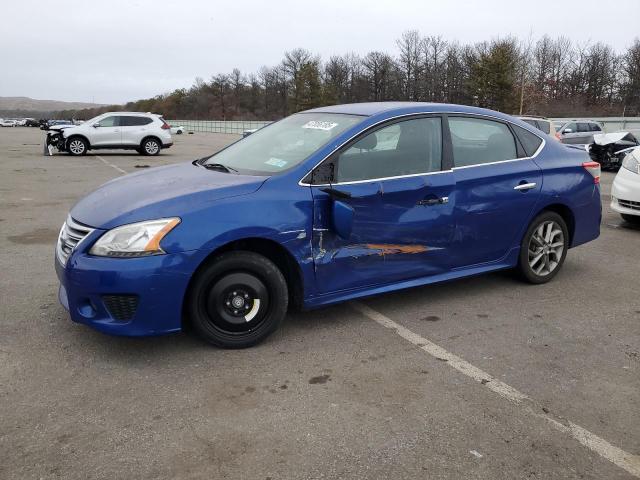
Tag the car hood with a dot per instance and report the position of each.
(170, 191)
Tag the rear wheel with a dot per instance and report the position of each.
(150, 146)
(237, 300)
(544, 248)
(632, 219)
(77, 146)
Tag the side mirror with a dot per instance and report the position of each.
(95, 125)
(567, 130)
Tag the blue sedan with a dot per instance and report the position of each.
(327, 205)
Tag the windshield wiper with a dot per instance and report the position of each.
(219, 166)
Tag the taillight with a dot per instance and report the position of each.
(165, 126)
(594, 169)
(558, 136)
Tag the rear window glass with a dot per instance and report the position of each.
(595, 127)
(583, 127)
(129, 121)
(476, 141)
(529, 141)
(544, 126)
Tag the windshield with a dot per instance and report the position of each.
(283, 145)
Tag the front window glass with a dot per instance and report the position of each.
(404, 148)
(109, 121)
(283, 145)
(476, 141)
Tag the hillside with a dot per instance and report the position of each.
(26, 104)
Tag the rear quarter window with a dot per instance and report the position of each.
(530, 142)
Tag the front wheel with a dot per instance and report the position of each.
(544, 248)
(150, 146)
(237, 300)
(77, 146)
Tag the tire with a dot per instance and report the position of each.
(77, 146)
(543, 248)
(150, 146)
(632, 219)
(237, 300)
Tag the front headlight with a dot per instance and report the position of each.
(134, 240)
(631, 162)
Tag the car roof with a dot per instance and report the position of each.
(132, 113)
(534, 117)
(375, 108)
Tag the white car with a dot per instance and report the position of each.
(7, 123)
(147, 133)
(625, 192)
(179, 130)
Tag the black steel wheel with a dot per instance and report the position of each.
(237, 300)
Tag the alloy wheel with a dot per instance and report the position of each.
(151, 147)
(76, 147)
(546, 247)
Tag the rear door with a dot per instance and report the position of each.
(585, 135)
(402, 227)
(107, 132)
(496, 186)
(134, 128)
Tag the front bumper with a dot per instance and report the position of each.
(625, 193)
(153, 289)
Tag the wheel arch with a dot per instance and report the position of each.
(147, 137)
(567, 215)
(270, 249)
(79, 135)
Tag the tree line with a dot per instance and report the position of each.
(554, 77)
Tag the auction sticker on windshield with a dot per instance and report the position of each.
(318, 125)
(276, 162)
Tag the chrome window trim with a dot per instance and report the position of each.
(493, 117)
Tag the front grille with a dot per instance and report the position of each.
(121, 307)
(71, 234)
(629, 204)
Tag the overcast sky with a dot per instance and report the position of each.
(113, 51)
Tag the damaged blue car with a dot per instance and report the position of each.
(324, 206)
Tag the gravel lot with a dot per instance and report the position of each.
(333, 394)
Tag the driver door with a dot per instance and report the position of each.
(107, 132)
(385, 213)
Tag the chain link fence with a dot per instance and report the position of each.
(218, 126)
(610, 124)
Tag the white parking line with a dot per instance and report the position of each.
(111, 165)
(624, 460)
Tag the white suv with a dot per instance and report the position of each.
(146, 133)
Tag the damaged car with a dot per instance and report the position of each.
(146, 133)
(609, 149)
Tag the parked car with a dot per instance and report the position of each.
(324, 206)
(579, 132)
(179, 130)
(625, 192)
(147, 133)
(541, 123)
(8, 123)
(246, 133)
(609, 149)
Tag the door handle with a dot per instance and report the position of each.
(429, 202)
(523, 187)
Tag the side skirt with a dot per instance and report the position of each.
(509, 261)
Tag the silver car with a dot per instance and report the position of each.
(579, 132)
